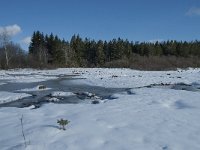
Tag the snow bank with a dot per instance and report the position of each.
(6, 97)
(27, 75)
(127, 78)
(61, 94)
(119, 78)
(2, 83)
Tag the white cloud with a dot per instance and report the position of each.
(26, 40)
(11, 30)
(194, 11)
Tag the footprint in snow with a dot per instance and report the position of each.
(165, 147)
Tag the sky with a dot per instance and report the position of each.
(135, 20)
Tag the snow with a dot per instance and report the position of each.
(127, 78)
(37, 88)
(28, 75)
(2, 83)
(6, 97)
(120, 78)
(54, 99)
(61, 94)
(142, 118)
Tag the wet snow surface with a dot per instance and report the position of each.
(134, 109)
(61, 90)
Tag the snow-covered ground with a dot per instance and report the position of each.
(104, 77)
(144, 118)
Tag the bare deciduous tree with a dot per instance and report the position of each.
(4, 42)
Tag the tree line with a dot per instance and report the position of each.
(50, 50)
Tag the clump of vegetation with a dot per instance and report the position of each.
(62, 123)
(42, 87)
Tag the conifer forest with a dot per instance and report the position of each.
(49, 51)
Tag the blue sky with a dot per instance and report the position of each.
(136, 20)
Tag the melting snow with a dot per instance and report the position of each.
(6, 97)
(142, 118)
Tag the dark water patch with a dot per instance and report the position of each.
(110, 97)
(179, 86)
(82, 92)
(38, 101)
(130, 92)
(12, 87)
(95, 102)
(186, 87)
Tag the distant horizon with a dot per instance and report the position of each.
(138, 20)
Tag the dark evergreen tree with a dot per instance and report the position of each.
(100, 55)
(38, 49)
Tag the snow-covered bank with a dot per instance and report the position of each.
(120, 78)
(6, 97)
(140, 119)
(2, 84)
(61, 94)
(127, 78)
(28, 75)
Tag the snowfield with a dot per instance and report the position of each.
(104, 77)
(140, 119)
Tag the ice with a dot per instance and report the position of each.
(6, 97)
(37, 88)
(62, 94)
